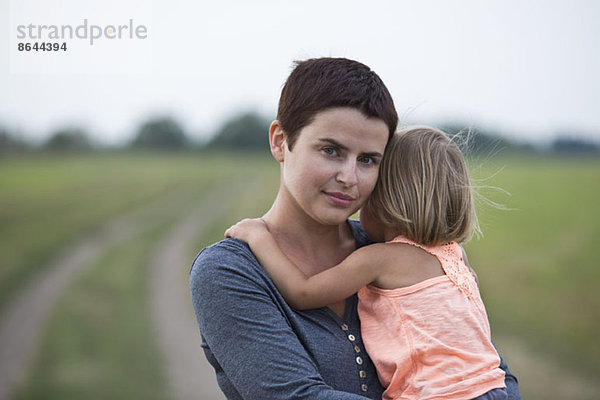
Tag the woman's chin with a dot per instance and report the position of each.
(335, 217)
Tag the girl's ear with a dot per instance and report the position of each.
(277, 141)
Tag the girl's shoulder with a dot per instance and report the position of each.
(450, 260)
(403, 264)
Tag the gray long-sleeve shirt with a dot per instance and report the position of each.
(261, 348)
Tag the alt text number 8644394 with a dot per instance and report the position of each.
(44, 46)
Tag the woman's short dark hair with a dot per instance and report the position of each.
(321, 83)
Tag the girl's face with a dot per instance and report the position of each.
(334, 164)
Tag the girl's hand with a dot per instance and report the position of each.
(248, 230)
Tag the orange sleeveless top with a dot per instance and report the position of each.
(431, 340)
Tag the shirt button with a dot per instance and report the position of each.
(364, 387)
(344, 327)
(359, 361)
(362, 374)
(351, 338)
(356, 349)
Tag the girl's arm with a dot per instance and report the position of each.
(302, 292)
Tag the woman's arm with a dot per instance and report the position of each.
(250, 342)
(302, 292)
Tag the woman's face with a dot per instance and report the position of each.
(334, 164)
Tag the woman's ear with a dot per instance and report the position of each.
(277, 141)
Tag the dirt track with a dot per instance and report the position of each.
(189, 374)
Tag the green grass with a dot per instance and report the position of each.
(100, 343)
(253, 204)
(538, 261)
(47, 202)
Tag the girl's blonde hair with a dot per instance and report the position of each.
(424, 191)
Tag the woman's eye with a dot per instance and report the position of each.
(330, 151)
(367, 160)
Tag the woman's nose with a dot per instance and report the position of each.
(347, 174)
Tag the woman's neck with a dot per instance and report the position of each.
(312, 246)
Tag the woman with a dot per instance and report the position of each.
(334, 120)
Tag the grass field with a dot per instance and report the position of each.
(536, 262)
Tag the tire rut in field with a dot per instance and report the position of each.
(24, 318)
(189, 374)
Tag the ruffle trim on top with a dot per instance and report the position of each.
(450, 257)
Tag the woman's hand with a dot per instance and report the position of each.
(248, 230)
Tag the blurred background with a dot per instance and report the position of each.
(120, 160)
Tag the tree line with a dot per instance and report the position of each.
(248, 131)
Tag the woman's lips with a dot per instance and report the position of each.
(339, 199)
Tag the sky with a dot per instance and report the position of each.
(526, 69)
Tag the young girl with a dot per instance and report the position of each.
(423, 322)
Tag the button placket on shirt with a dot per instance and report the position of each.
(361, 372)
